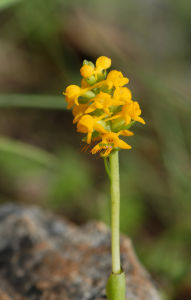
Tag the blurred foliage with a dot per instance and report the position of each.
(6, 3)
(32, 101)
(42, 44)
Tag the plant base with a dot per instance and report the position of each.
(116, 286)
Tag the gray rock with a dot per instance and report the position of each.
(45, 258)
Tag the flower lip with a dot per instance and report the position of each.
(103, 62)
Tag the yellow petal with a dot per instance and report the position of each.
(107, 151)
(139, 119)
(98, 127)
(86, 71)
(96, 149)
(89, 136)
(90, 109)
(126, 132)
(127, 118)
(73, 91)
(78, 111)
(103, 62)
(85, 124)
(123, 94)
(121, 144)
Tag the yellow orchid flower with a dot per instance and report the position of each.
(116, 79)
(134, 111)
(110, 141)
(88, 124)
(79, 111)
(130, 111)
(102, 63)
(104, 101)
(101, 101)
(123, 95)
(72, 93)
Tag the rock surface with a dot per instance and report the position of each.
(45, 258)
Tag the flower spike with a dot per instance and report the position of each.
(103, 107)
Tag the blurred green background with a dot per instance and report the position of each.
(42, 46)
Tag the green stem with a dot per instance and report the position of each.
(107, 167)
(115, 210)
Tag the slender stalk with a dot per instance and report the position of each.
(115, 211)
(106, 163)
